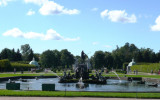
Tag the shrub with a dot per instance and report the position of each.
(125, 65)
(5, 65)
(20, 66)
(120, 71)
(146, 67)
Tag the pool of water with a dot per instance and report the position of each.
(112, 85)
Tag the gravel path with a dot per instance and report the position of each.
(67, 98)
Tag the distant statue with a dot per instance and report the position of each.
(83, 56)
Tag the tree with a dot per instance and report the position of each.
(18, 55)
(158, 56)
(31, 55)
(36, 56)
(6, 54)
(57, 61)
(108, 60)
(13, 55)
(47, 59)
(25, 51)
(99, 59)
(66, 58)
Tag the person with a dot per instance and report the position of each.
(22, 71)
(14, 70)
(159, 71)
(136, 72)
(151, 71)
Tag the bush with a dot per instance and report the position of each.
(39, 70)
(20, 66)
(146, 67)
(54, 70)
(120, 71)
(125, 66)
(5, 65)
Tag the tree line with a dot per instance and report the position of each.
(126, 53)
(65, 59)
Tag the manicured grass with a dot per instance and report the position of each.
(60, 74)
(123, 75)
(77, 94)
(29, 74)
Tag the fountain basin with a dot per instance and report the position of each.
(112, 85)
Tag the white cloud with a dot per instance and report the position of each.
(4, 2)
(107, 46)
(37, 2)
(94, 9)
(30, 12)
(119, 16)
(156, 27)
(50, 35)
(95, 43)
(51, 8)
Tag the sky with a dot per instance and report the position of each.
(77, 25)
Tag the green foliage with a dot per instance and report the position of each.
(146, 67)
(66, 58)
(27, 52)
(19, 65)
(54, 70)
(5, 65)
(120, 71)
(48, 59)
(99, 59)
(125, 66)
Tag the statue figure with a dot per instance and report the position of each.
(83, 56)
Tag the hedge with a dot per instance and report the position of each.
(19, 65)
(5, 65)
(146, 67)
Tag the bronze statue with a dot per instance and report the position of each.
(83, 56)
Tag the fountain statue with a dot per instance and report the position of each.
(82, 72)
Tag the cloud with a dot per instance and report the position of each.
(30, 12)
(37, 2)
(4, 2)
(50, 35)
(156, 27)
(118, 16)
(94, 9)
(51, 8)
(95, 43)
(107, 46)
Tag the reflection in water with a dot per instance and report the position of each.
(112, 85)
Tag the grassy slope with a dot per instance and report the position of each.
(77, 94)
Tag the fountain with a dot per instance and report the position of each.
(56, 75)
(117, 76)
(82, 72)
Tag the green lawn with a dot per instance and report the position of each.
(60, 74)
(28, 74)
(77, 94)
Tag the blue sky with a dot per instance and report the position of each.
(77, 25)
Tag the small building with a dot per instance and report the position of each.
(33, 62)
(129, 66)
